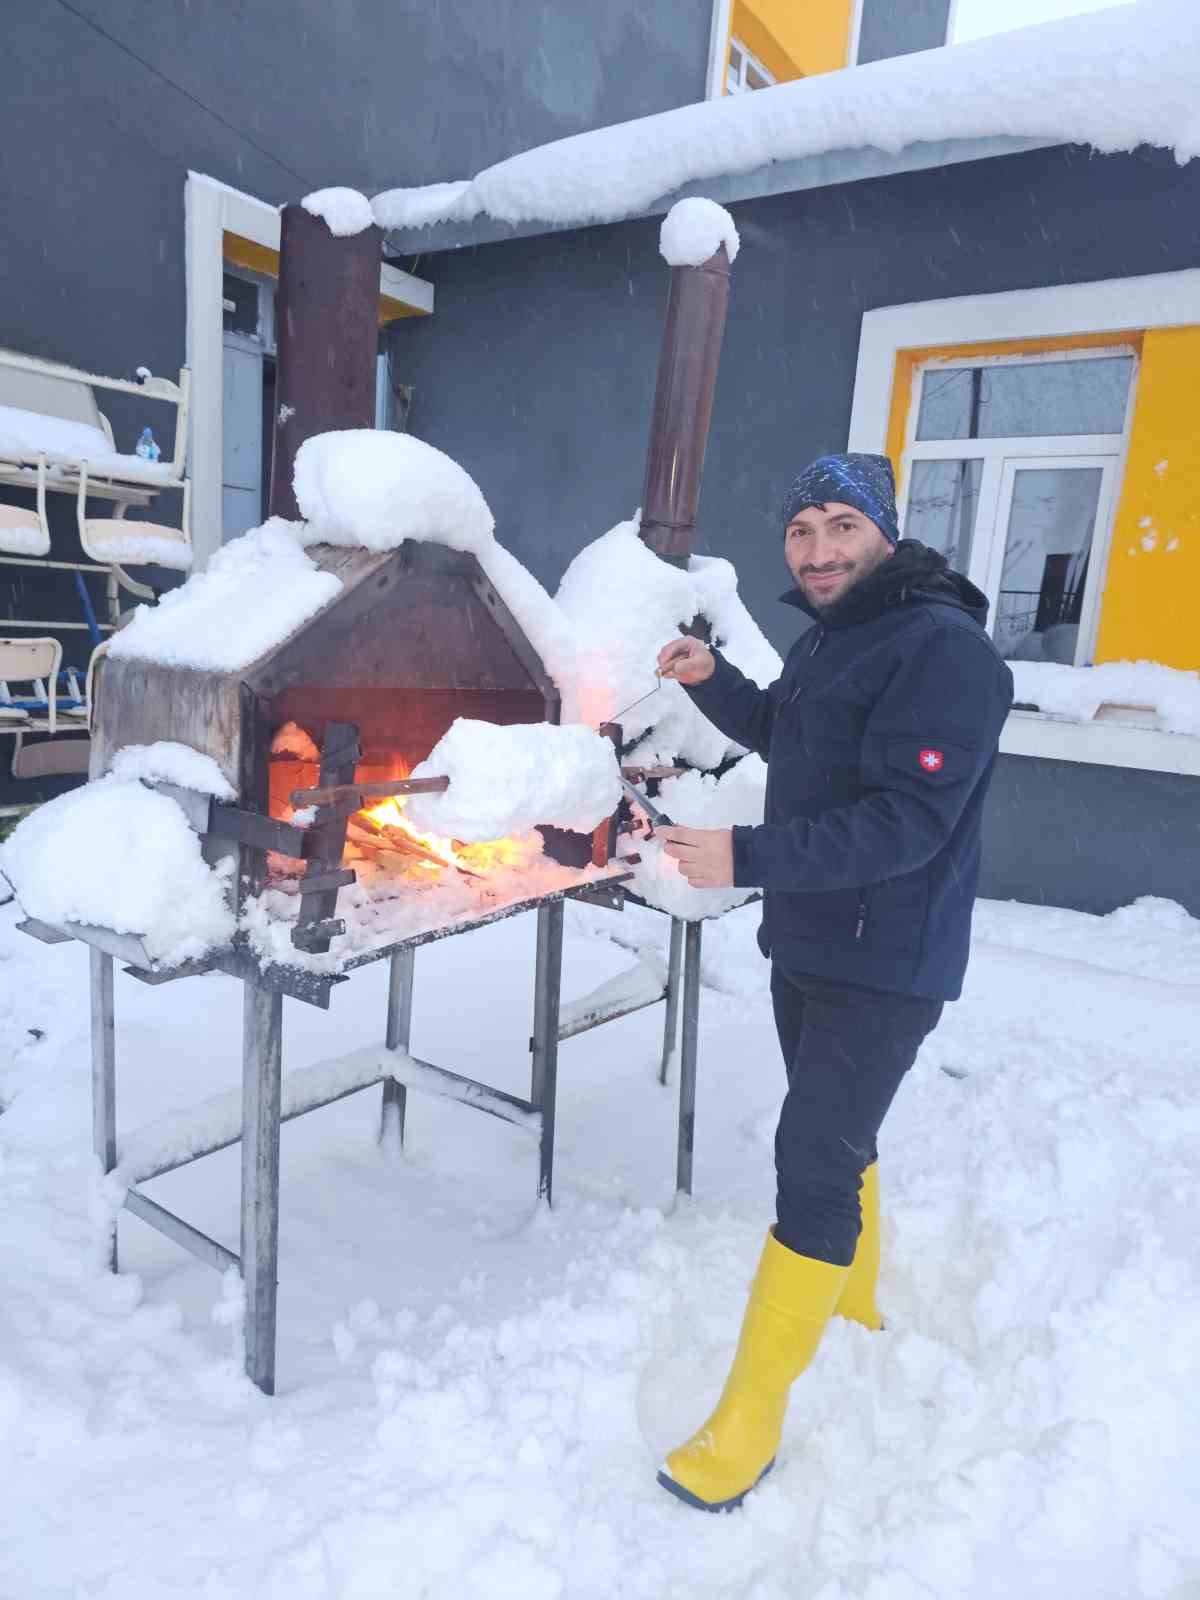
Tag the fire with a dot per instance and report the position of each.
(431, 852)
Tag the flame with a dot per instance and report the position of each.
(478, 858)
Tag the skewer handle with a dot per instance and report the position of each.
(369, 791)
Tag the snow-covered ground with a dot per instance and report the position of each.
(474, 1396)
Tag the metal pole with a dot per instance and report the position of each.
(687, 1059)
(683, 402)
(671, 1023)
(104, 1072)
(399, 1033)
(262, 1031)
(544, 1076)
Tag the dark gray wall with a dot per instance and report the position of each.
(1094, 838)
(898, 27)
(537, 372)
(105, 104)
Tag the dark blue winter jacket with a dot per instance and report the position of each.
(880, 738)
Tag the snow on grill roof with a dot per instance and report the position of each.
(1113, 79)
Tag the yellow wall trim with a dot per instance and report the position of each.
(1151, 590)
(256, 257)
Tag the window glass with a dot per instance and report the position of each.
(1025, 399)
(241, 306)
(942, 503)
(1050, 525)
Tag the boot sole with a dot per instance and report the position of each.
(690, 1499)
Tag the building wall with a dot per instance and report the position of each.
(101, 119)
(898, 27)
(1063, 833)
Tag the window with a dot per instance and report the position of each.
(745, 71)
(1011, 472)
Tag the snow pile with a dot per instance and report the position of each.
(700, 800)
(1079, 692)
(694, 230)
(24, 538)
(254, 593)
(1115, 79)
(169, 762)
(291, 740)
(478, 1400)
(344, 211)
(541, 620)
(372, 488)
(140, 545)
(509, 779)
(25, 435)
(116, 855)
(624, 604)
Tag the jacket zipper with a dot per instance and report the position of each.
(818, 640)
(862, 914)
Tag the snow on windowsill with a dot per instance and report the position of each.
(1135, 693)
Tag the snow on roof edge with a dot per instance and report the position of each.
(1113, 79)
(775, 177)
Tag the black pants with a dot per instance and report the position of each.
(846, 1049)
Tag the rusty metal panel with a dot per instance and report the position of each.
(326, 331)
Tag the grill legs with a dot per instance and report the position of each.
(262, 1020)
(262, 1029)
(399, 1032)
(671, 1020)
(687, 1057)
(543, 1090)
(104, 1073)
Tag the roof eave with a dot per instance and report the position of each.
(777, 177)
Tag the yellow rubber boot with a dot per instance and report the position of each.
(791, 1300)
(858, 1302)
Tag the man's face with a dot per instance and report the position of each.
(829, 549)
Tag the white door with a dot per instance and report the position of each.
(1045, 566)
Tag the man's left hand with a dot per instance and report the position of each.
(705, 855)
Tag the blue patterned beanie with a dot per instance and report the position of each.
(865, 482)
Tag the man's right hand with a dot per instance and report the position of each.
(687, 661)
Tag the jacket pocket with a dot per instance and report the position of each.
(820, 916)
(891, 915)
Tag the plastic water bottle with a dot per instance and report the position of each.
(147, 446)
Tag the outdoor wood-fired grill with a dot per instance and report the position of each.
(416, 637)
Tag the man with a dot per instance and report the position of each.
(879, 738)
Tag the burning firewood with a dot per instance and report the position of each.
(382, 839)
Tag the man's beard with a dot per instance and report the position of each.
(820, 602)
(855, 571)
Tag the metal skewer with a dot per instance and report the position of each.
(625, 710)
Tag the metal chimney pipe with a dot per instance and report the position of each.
(327, 320)
(683, 402)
